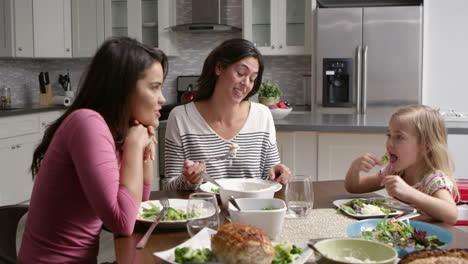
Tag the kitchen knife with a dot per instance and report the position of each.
(41, 83)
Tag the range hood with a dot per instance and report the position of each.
(207, 16)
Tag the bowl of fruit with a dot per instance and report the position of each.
(280, 110)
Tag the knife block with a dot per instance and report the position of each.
(46, 98)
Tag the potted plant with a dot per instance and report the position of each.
(269, 93)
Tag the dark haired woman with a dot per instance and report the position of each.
(91, 167)
(220, 117)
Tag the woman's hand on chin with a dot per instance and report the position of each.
(150, 149)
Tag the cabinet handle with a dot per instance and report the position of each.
(20, 48)
(272, 46)
(68, 50)
(280, 46)
(43, 124)
(13, 147)
(18, 146)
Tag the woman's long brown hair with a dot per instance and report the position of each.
(107, 87)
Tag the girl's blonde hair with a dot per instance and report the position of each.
(432, 133)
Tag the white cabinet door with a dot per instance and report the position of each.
(52, 28)
(279, 27)
(87, 26)
(298, 151)
(6, 28)
(24, 42)
(458, 144)
(15, 158)
(336, 151)
(144, 20)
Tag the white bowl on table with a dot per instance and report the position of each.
(246, 188)
(280, 113)
(253, 212)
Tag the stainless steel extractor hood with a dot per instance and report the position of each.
(207, 16)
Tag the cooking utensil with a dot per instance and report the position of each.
(312, 246)
(404, 216)
(142, 243)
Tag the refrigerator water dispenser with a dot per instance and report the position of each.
(337, 85)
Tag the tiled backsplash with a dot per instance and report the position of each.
(21, 75)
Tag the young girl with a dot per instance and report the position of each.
(420, 171)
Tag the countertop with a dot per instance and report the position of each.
(29, 109)
(296, 121)
(345, 123)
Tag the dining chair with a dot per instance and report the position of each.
(10, 216)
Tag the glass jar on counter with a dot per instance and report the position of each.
(5, 97)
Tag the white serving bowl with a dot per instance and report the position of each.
(280, 113)
(246, 188)
(270, 221)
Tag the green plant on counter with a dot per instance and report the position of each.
(269, 89)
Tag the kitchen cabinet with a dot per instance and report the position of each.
(336, 151)
(144, 20)
(279, 27)
(19, 137)
(87, 26)
(298, 151)
(52, 28)
(17, 28)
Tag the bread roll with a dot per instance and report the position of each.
(237, 243)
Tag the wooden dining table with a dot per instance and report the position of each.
(325, 192)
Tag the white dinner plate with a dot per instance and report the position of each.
(340, 202)
(207, 186)
(203, 240)
(178, 204)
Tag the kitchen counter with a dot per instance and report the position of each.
(346, 123)
(29, 109)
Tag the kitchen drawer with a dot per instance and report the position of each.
(45, 119)
(19, 125)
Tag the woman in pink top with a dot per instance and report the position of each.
(93, 166)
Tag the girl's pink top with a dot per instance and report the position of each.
(76, 191)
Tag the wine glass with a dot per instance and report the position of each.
(202, 211)
(299, 196)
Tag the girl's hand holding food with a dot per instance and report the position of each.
(280, 173)
(365, 163)
(397, 187)
(192, 171)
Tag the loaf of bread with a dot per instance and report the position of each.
(237, 243)
(437, 256)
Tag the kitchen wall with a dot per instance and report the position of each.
(444, 67)
(21, 74)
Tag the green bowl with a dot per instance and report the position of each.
(336, 250)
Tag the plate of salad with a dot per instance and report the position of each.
(176, 216)
(198, 249)
(209, 187)
(405, 236)
(375, 207)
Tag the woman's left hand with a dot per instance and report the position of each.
(280, 173)
(397, 187)
(150, 149)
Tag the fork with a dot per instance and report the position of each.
(165, 203)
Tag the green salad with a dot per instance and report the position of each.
(400, 234)
(366, 207)
(171, 215)
(284, 253)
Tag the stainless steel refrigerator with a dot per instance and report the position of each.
(368, 59)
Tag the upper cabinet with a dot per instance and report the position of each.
(87, 26)
(17, 29)
(36, 28)
(52, 28)
(279, 27)
(144, 20)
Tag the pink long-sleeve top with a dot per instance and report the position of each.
(76, 191)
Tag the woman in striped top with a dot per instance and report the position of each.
(219, 117)
(420, 171)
